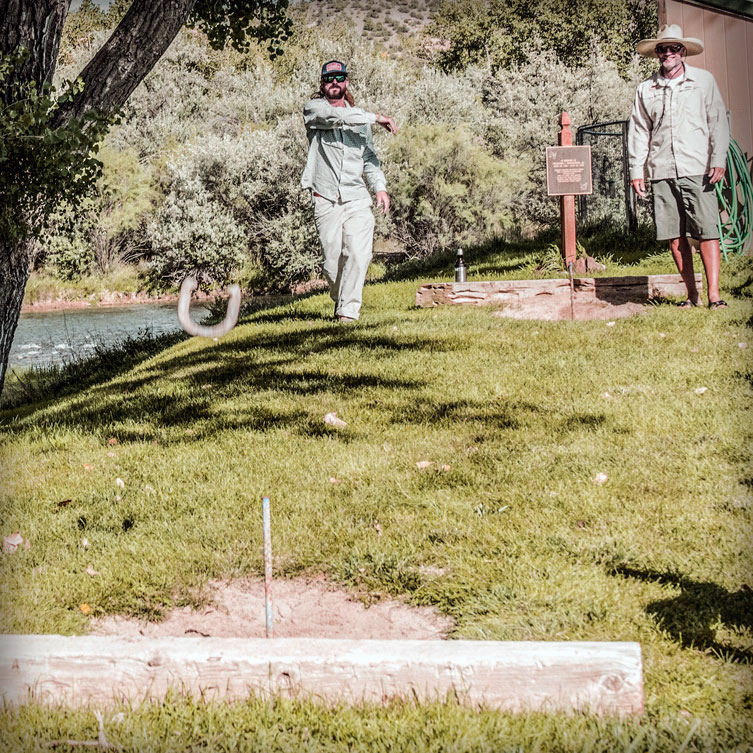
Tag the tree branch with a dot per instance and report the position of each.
(138, 42)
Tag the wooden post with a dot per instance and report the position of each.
(567, 203)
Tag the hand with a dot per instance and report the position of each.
(383, 201)
(716, 174)
(639, 186)
(387, 123)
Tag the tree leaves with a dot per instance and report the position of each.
(41, 165)
(237, 22)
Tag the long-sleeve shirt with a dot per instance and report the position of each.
(341, 152)
(677, 129)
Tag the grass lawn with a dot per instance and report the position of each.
(516, 539)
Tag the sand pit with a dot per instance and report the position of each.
(301, 608)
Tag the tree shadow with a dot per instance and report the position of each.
(24, 393)
(107, 362)
(199, 387)
(690, 617)
(740, 290)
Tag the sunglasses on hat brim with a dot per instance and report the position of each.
(328, 78)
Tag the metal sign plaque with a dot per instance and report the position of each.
(568, 170)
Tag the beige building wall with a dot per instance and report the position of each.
(728, 54)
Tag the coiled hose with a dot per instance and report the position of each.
(735, 195)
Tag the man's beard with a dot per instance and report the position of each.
(334, 92)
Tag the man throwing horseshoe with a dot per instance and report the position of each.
(341, 153)
(679, 134)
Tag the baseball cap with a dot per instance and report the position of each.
(333, 66)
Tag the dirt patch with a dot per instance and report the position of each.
(310, 608)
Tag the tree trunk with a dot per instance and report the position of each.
(14, 262)
(37, 26)
(138, 42)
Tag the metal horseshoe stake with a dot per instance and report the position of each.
(216, 330)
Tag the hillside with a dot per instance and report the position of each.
(387, 25)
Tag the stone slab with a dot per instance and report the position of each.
(547, 298)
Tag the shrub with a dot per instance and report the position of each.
(211, 148)
(191, 232)
(125, 198)
(240, 201)
(502, 31)
(69, 254)
(524, 104)
(446, 188)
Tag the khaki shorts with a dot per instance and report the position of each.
(685, 207)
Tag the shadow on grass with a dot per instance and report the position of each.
(691, 617)
(110, 360)
(499, 257)
(199, 388)
(742, 289)
(41, 383)
(624, 247)
(487, 414)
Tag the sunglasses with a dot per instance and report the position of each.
(330, 77)
(673, 48)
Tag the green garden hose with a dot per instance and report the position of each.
(735, 194)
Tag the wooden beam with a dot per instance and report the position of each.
(517, 293)
(602, 678)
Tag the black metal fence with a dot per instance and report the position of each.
(612, 198)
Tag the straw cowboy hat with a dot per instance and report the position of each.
(669, 34)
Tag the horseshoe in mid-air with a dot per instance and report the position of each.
(216, 330)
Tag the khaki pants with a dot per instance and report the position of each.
(346, 231)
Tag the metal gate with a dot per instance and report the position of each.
(613, 197)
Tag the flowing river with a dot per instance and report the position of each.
(57, 337)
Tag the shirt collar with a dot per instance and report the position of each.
(687, 75)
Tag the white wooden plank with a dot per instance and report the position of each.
(604, 678)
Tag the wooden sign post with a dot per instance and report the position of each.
(568, 174)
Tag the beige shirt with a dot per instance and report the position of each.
(341, 152)
(677, 130)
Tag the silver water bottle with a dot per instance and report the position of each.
(460, 267)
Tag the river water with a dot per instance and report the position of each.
(56, 337)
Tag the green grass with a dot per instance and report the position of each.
(180, 725)
(516, 540)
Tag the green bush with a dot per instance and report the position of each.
(502, 32)
(192, 233)
(125, 199)
(69, 255)
(203, 171)
(447, 189)
(523, 105)
(235, 201)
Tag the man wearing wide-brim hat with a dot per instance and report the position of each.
(678, 139)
